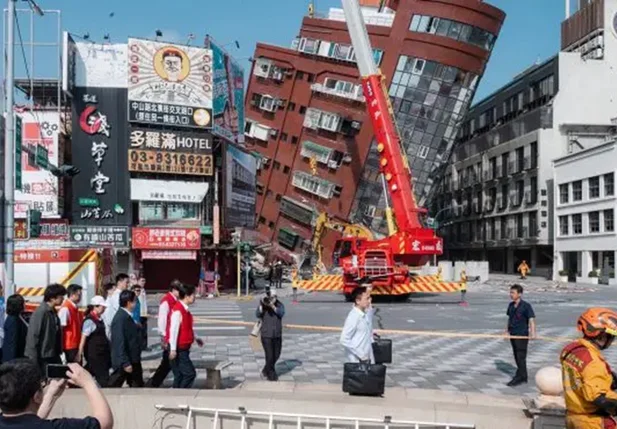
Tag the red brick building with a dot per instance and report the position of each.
(304, 105)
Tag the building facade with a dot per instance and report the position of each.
(306, 114)
(495, 195)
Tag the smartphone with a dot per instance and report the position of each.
(57, 371)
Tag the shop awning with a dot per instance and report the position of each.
(169, 191)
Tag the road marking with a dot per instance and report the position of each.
(411, 321)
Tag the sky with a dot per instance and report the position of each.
(531, 31)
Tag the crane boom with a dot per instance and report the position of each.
(393, 162)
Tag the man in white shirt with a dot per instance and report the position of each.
(357, 335)
(181, 336)
(113, 302)
(167, 302)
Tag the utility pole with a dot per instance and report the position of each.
(9, 155)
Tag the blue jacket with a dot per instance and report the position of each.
(15, 331)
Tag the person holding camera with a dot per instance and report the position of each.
(270, 312)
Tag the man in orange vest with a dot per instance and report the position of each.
(180, 337)
(70, 321)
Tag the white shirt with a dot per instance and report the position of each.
(64, 315)
(357, 335)
(162, 317)
(143, 303)
(174, 327)
(113, 304)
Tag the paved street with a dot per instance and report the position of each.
(454, 364)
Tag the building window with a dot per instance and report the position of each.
(563, 225)
(294, 139)
(594, 187)
(609, 184)
(262, 220)
(504, 227)
(532, 223)
(577, 190)
(270, 224)
(577, 223)
(453, 30)
(302, 110)
(594, 221)
(284, 137)
(311, 77)
(276, 165)
(564, 193)
(278, 197)
(286, 169)
(609, 220)
(423, 151)
(291, 106)
(149, 211)
(310, 46)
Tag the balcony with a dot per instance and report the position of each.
(296, 211)
(355, 95)
(312, 184)
(266, 69)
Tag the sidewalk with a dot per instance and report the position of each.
(135, 408)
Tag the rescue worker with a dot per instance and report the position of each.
(523, 269)
(70, 321)
(589, 384)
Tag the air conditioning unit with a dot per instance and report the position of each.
(333, 164)
(356, 125)
(273, 133)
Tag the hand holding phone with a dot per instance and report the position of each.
(57, 371)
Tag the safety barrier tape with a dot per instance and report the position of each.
(395, 331)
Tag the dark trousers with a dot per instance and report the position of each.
(183, 369)
(71, 355)
(161, 372)
(134, 378)
(144, 333)
(272, 348)
(99, 370)
(519, 348)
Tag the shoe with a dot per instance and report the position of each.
(516, 382)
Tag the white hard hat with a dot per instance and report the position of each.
(98, 300)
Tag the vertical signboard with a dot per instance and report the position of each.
(68, 63)
(228, 106)
(40, 188)
(169, 84)
(100, 147)
(18, 145)
(240, 188)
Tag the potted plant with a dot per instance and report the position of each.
(563, 276)
(592, 277)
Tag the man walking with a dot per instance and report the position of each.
(357, 335)
(113, 304)
(70, 321)
(271, 312)
(521, 323)
(167, 304)
(180, 337)
(44, 340)
(143, 312)
(125, 345)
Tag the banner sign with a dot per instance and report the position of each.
(108, 236)
(240, 188)
(198, 142)
(169, 254)
(149, 161)
(169, 84)
(166, 238)
(228, 106)
(99, 150)
(51, 229)
(40, 189)
(168, 191)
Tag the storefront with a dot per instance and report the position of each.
(165, 254)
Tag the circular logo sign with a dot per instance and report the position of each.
(201, 117)
(171, 64)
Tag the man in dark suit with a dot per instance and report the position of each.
(125, 345)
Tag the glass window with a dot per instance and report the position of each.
(182, 211)
(455, 30)
(415, 22)
(577, 190)
(444, 25)
(151, 211)
(609, 184)
(594, 221)
(432, 25)
(563, 225)
(594, 187)
(609, 220)
(465, 33)
(424, 24)
(577, 223)
(563, 193)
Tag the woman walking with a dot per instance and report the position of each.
(94, 345)
(15, 329)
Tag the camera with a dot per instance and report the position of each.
(265, 300)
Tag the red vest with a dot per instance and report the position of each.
(186, 337)
(171, 301)
(71, 333)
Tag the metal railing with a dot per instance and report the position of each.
(275, 419)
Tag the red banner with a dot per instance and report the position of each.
(166, 238)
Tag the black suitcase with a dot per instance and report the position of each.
(382, 350)
(364, 379)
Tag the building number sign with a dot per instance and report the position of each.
(171, 163)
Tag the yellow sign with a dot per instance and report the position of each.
(170, 163)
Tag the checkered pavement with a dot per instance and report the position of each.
(452, 364)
